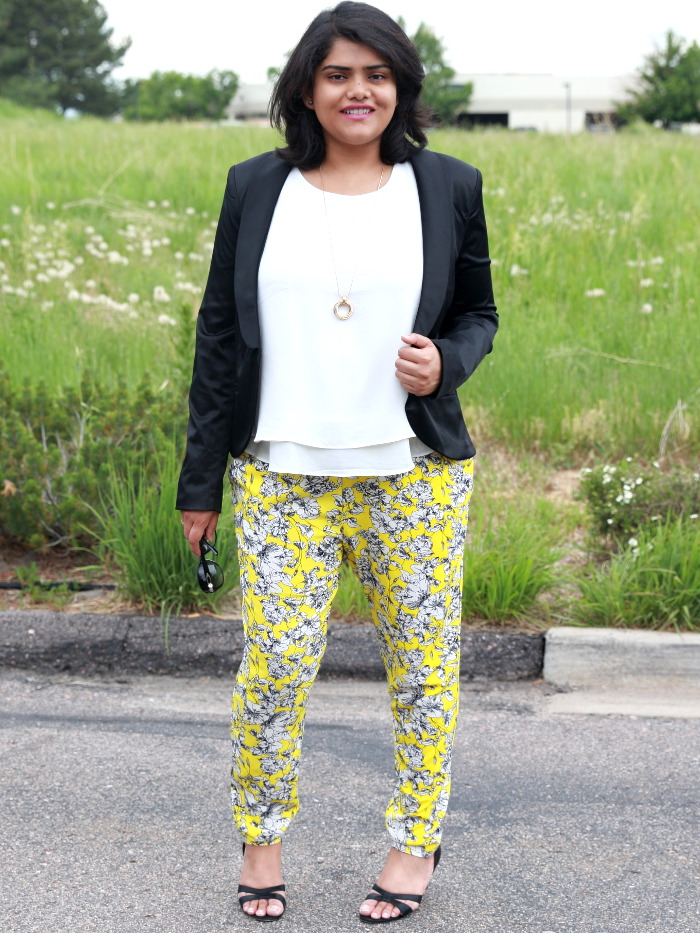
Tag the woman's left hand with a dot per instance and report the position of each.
(419, 365)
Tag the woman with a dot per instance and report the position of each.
(349, 296)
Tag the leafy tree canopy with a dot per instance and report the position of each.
(169, 95)
(439, 93)
(58, 54)
(668, 85)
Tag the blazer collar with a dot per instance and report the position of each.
(434, 193)
(260, 200)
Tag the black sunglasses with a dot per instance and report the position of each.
(209, 575)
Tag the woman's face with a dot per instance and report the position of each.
(354, 94)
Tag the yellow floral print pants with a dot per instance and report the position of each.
(404, 537)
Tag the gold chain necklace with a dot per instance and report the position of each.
(342, 309)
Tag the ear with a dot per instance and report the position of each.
(308, 100)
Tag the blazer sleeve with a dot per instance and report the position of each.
(470, 323)
(213, 384)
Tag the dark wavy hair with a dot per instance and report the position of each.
(366, 25)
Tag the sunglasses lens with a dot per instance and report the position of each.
(209, 576)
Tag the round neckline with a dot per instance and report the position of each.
(335, 194)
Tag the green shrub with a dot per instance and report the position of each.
(56, 452)
(653, 582)
(625, 497)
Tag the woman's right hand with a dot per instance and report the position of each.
(197, 525)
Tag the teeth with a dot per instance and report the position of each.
(358, 110)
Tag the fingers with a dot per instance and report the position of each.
(419, 365)
(197, 525)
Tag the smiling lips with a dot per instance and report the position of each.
(357, 113)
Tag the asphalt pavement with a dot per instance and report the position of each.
(115, 811)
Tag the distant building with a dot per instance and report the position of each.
(250, 102)
(544, 103)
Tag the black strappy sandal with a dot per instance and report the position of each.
(397, 900)
(255, 894)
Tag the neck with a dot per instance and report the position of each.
(350, 170)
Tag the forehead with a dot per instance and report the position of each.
(352, 54)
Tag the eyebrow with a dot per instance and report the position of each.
(346, 68)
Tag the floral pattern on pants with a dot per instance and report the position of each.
(404, 537)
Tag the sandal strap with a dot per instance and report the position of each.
(396, 900)
(255, 894)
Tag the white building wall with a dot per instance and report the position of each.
(547, 103)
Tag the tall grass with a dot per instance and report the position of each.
(653, 583)
(140, 536)
(571, 373)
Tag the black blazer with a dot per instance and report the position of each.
(456, 311)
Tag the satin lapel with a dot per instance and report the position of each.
(436, 209)
(256, 216)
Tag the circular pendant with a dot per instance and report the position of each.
(342, 309)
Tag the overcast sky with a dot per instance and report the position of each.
(587, 37)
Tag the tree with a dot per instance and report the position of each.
(169, 95)
(58, 54)
(445, 98)
(668, 85)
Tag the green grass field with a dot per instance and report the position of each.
(106, 232)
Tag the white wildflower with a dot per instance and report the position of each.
(160, 294)
(179, 256)
(114, 257)
(4, 242)
(73, 295)
(595, 292)
(91, 283)
(656, 261)
(195, 257)
(515, 269)
(166, 319)
(46, 305)
(165, 203)
(189, 210)
(633, 542)
(150, 204)
(646, 283)
(647, 308)
(16, 210)
(50, 206)
(693, 515)
(132, 298)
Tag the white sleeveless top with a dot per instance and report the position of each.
(330, 402)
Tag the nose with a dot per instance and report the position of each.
(358, 89)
